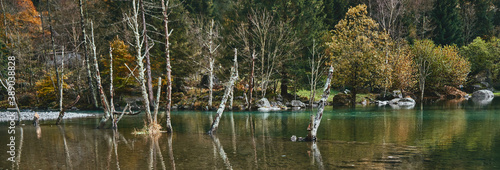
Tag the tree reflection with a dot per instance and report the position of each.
(221, 151)
(66, 150)
(317, 155)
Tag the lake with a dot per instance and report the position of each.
(442, 135)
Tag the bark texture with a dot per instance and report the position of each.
(229, 87)
(316, 120)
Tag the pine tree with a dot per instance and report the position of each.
(448, 26)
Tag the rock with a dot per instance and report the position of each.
(394, 101)
(297, 103)
(263, 103)
(485, 94)
(482, 97)
(341, 99)
(381, 103)
(406, 102)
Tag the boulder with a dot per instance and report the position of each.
(263, 103)
(407, 102)
(297, 103)
(341, 99)
(483, 94)
(482, 97)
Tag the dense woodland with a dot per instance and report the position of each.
(66, 48)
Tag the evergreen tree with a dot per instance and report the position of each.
(448, 26)
(484, 23)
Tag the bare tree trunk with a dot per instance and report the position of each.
(134, 25)
(61, 81)
(211, 83)
(211, 58)
(165, 7)
(146, 53)
(252, 77)
(111, 102)
(104, 100)
(231, 96)
(61, 113)
(157, 103)
(317, 119)
(234, 77)
(54, 53)
(89, 72)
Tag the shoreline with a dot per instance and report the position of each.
(28, 115)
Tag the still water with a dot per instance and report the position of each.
(442, 135)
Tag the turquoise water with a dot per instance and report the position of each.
(442, 135)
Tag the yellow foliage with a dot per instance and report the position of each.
(359, 51)
(45, 87)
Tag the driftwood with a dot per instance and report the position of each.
(229, 88)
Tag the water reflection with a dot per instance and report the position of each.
(218, 147)
(436, 137)
(316, 155)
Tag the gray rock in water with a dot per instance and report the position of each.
(483, 94)
(482, 97)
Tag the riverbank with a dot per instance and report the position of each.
(5, 115)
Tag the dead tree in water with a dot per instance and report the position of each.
(165, 7)
(229, 88)
(89, 74)
(146, 53)
(315, 121)
(104, 100)
(133, 23)
(61, 113)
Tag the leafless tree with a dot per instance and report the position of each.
(468, 20)
(316, 62)
(229, 88)
(89, 72)
(133, 22)
(274, 40)
(388, 13)
(166, 13)
(207, 39)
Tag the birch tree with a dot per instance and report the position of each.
(133, 23)
(275, 40)
(316, 120)
(166, 13)
(229, 88)
(87, 64)
(316, 62)
(207, 39)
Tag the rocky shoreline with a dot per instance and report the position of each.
(6, 115)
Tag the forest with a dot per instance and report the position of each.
(173, 53)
